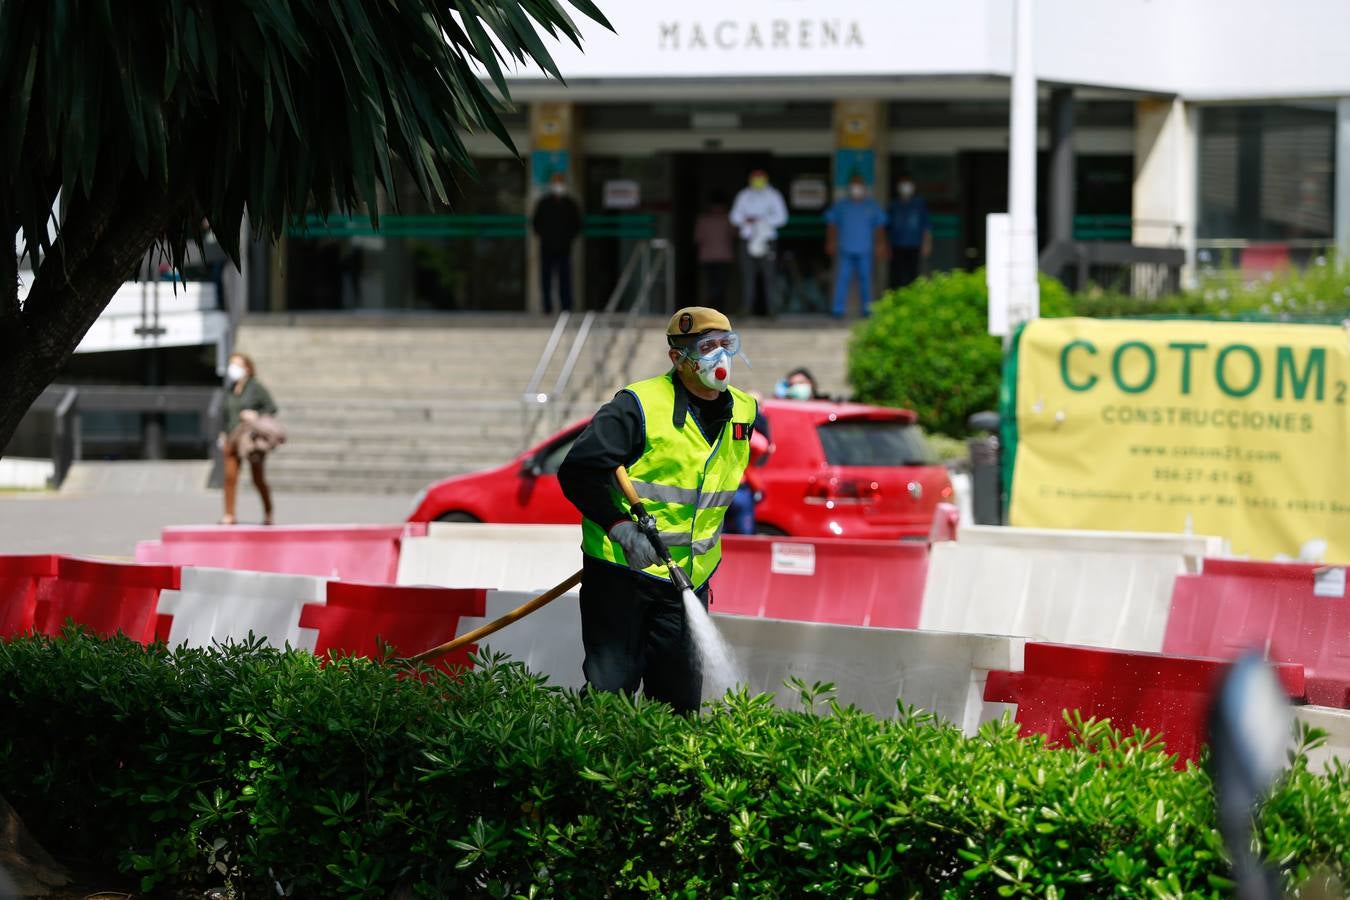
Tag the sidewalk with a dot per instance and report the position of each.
(98, 515)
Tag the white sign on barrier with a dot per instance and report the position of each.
(793, 559)
(1329, 582)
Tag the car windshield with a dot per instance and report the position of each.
(859, 443)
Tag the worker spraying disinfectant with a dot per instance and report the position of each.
(653, 475)
(684, 439)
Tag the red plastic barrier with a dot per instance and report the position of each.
(350, 552)
(1167, 695)
(1236, 605)
(358, 617)
(105, 597)
(20, 578)
(840, 582)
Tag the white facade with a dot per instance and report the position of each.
(1195, 49)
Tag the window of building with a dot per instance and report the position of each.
(1266, 173)
(468, 255)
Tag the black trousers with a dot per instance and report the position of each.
(634, 632)
(559, 264)
(904, 265)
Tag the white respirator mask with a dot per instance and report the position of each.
(235, 372)
(712, 354)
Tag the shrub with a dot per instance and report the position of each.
(926, 347)
(269, 770)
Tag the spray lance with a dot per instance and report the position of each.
(678, 576)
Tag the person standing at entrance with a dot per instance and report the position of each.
(556, 223)
(758, 212)
(854, 232)
(685, 438)
(910, 231)
(716, 242)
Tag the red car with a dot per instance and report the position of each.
(836, 470)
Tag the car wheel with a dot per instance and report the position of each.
(457, 517)
(769, 530)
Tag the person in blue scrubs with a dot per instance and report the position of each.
(855, 232)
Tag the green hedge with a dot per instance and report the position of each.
(264, 769)
(927, 347)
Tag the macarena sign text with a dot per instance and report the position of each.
(770, 34)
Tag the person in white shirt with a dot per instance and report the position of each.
(758, 213)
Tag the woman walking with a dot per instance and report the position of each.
(250, 432)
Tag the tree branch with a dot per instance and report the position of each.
(107, 239)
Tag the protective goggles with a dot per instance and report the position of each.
(712, 341)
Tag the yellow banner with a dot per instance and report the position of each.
(1231, 429)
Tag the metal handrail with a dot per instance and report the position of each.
(650, 257)
(532, 389)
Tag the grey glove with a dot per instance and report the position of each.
(637, 547)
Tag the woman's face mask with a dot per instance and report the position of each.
(236, 372)
(800, 391)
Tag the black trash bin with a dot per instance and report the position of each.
(986, 470)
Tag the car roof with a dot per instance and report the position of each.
(834, 411)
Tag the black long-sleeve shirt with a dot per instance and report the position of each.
(615, 437)
(556, 222)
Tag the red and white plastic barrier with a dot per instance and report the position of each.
(362, 619)
(876, 584)
(498, 557)
(104, 597)
(217, 605)
(1295, 613)
(1102, 589)
(1166, 695)
(350, 552)
(20, 579)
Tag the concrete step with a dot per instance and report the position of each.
(406, 481)
(393, 403)
(339, 425)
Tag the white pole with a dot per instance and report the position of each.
(1024, 292)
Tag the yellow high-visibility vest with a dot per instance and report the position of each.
(685, 479)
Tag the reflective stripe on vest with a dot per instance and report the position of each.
(685, 481)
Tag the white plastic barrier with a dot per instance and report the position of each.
(1100, 589)
(1336, 722)
(1192, 548)
(498, 557)
(873, 668)
(227, 604)
(548, 641)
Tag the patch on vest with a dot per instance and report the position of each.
(740, 431)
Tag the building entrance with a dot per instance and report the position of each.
(802, 269)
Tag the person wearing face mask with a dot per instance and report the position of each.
(758, 212)
(685, 439)
(910, 231)
(248, 416)
(854, 233)
(556, 223)
(799, 384)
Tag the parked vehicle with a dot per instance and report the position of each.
(836, 470)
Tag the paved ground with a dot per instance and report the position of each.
(96, 515)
